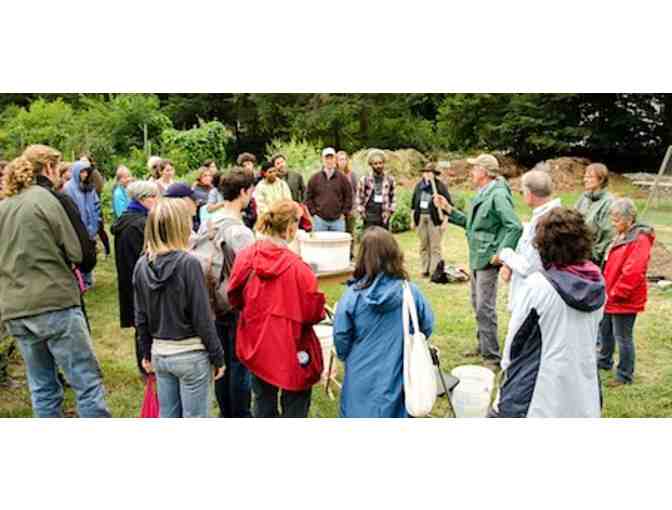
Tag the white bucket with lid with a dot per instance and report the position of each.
(471, 397)
(327, 251)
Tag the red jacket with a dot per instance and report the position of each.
(279, 301)
(625, 271)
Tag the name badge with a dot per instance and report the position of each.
(424, 204)
(378, 199)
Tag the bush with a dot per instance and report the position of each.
(302, 156)
(401, 219)
(188, 149)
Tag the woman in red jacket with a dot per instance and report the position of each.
(279, 302)
(625, 269)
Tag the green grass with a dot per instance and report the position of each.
(650, 396)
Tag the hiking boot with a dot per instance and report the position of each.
(472, 354)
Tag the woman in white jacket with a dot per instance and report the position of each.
(549, 361)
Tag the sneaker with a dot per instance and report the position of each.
(472, 354)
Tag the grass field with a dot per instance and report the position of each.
(650, 396)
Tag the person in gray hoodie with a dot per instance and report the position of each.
(177, 335)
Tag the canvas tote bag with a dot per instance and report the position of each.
(420, 388)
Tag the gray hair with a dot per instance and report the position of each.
(139, 190)
(624, 208)
(538, 182)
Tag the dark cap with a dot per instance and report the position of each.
(179, 190)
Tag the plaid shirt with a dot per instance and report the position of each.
(365, 191)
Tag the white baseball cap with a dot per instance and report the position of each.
(329, 151)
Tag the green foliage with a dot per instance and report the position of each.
(401, 219)
(302, 156)
(188, 149)
(49, 123)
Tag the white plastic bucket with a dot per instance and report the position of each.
(471, 397)
(328, 251)
(325, 335)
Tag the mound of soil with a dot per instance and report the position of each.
(661, 262)
(402, 163)
(459, 172)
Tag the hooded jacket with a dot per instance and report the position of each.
(625, 270)
(85, 197)
(279, 302)
(549, 354)
(595, 207)
(491, 224)
(129, 240)
(369, 339)
(171, 303)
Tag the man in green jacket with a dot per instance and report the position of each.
(41, 304)
(491, 225)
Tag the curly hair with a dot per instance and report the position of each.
(244, 157)
(563, 238)
(19, 175)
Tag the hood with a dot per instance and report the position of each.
(159, 272)
(580, 286)
(76, 171)
(131, 215)
(633, 233)
(270, 260)
(384, 294)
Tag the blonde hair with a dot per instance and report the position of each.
(19, 175)
(348, 167)
(168, 228)
(278, 218)
(201, 172)
(40, 155)
(601, 172)
(63, 167)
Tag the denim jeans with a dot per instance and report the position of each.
(233, 389)
(617, 329)
(183, 384)
(320, 225)
(295, 404)
(60, 339)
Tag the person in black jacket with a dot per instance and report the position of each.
(427, 219)
(129, 241)
(172, 314)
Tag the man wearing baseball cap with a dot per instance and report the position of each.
(491, 225)
(329, 195)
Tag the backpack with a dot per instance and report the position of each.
(448, 274)
(216, 257)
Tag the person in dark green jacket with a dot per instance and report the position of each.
(595, 205)
(293, 179)
(491, 225)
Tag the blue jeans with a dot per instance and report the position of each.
(183, 384)
(617, 329)
(233, 389)
(60, 339)
(320, 225)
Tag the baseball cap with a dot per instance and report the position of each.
(487, 161)
(179, 190)
(329, 151)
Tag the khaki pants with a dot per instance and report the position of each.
(430, 243)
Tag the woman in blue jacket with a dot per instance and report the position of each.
(368, 330)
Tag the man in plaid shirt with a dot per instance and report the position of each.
(375, 194)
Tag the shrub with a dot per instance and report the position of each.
(188, 149)
(401, 219)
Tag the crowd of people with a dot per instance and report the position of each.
(576, 279)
